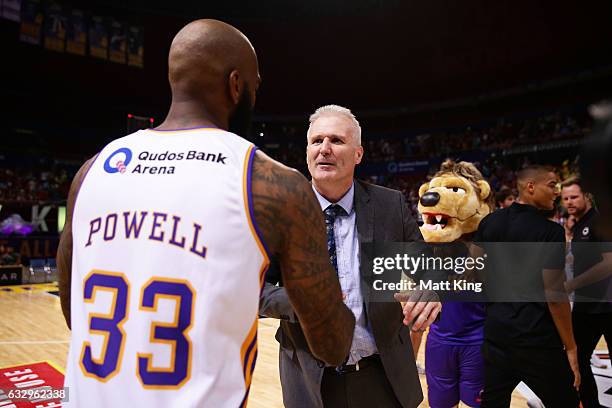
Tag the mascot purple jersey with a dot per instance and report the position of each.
(462, 323)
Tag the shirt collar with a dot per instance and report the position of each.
(524, 207)
(516, 206)
(346, 202)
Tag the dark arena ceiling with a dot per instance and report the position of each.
(370, 55)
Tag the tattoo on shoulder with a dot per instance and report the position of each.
(287, 212)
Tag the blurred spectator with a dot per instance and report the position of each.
(8, 256)
(35, 184)
(504, 198)
(49, 181)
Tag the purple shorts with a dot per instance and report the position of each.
(454, 373)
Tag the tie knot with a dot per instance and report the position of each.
(332, 212)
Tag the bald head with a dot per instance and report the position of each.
(211, 67)
(208, 48)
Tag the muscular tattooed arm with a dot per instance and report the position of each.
(64, 251)
(292, 225)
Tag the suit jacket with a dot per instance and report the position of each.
(381, 215)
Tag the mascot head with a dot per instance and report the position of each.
(453, 202)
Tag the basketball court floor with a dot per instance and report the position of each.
(33, 330)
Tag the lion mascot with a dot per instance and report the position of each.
(452, 204)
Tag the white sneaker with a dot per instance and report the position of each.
(532, 399)
(597, 362)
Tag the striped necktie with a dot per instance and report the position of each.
(331, 213)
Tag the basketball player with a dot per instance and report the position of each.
(165, 249)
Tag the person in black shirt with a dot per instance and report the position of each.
(592, 314)
(528, 341)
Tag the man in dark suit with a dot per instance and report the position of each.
(380, 369)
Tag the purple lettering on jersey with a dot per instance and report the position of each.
(157, 224)
(177, 335)
(107, 222)
(196, 231)
(111, 326)
(173, 241)
(131, 225)
(92, 230)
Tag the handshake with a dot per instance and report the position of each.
(420, 307)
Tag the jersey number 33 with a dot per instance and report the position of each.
(110, 326)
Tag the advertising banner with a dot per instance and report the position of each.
(98, 38)
(32, 385)
(118, 42)
(136, 46)
(31, 22)
(11, 10)
(55, 27)
(76, 32)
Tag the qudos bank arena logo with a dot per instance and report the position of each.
(122, 158)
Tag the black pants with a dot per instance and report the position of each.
(365, 388)
(545, 370)
(588, 329)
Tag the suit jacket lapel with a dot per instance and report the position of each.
(364, 214)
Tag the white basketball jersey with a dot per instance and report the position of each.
(167, 270)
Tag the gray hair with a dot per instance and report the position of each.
(338, 111)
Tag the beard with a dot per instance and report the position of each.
(240, 121)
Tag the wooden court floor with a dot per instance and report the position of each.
(33, 329)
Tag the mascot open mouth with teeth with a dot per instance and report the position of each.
(454, 202)
(452, 205)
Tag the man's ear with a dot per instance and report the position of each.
(235, 86)
(423, 189)
(358, 154)
(485, 189)
(530, 186)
